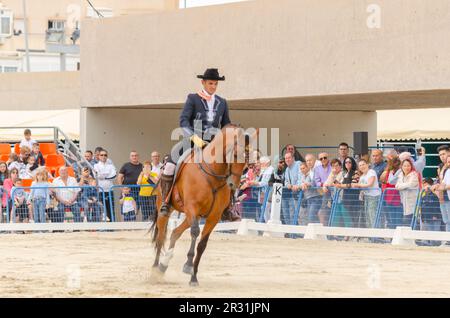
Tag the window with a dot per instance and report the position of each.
(56, 25)
(10, 69)
(6, 18)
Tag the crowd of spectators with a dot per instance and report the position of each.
(352, 185)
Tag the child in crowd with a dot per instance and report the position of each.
(13, 162)
(20, 198)
(128, 205)
(89, 196)
(430, 215)
(37, 154)
(30, 169)
(3, 175)
(27, 141)
(40, 197)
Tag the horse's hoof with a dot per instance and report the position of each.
(156, 276)
(193, 284)
(162, 268)
(187, 269)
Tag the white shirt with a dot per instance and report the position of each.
(157, 169)
(364, 179)
(446, 180)
(28, 143)
(66, 194)
(210, 106)
(106, 172)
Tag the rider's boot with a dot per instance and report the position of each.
(166, 184)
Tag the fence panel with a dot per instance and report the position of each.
(41, 204)
(130, 203)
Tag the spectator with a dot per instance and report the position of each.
(335, 181)
(278, 174)
(7, 186)
(129, 174)
(97, 154)
(156, 163)
(249, 197)
(89, 196)
(89, 157)
(3, 176)
(37, 154)
(378, 164)
(39, 196)
(368, 180)
(444, 186)
(14, 163)
(344, 151)
(392, 202)
(430, 211)
(408, 184)
(147, 195)
(321, 174)
(444, 152)
(297, 156)
(264, 179)
(27, 141)
(20, 199)
(66, 197)
(128, 204)
(30, 169)
(106, 173)
(312, 200)
(25, 153)
(290, 193)
(391, 154)
(420, 163)
(350, 197)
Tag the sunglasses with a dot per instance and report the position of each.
(323, 158)
(103, 155)
(348, 162)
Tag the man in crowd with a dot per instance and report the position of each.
(297, 156)
(290, 195)
(66, 197)
(344, 151)
(129, 174)
(321, 173)
(106, 173)
(378, 163)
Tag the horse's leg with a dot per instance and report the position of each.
(211, 222)
(161, 224)
(188, 267)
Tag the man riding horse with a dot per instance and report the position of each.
(205, 108)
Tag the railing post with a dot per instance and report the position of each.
(379, 209)
(333, 206)
(312, 232)
(400, 236)
(264, 205)
(275, 209)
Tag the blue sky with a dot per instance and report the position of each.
(198, 3)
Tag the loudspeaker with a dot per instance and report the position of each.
(360, 142)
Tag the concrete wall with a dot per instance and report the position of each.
(285, 50)
(40, 91)
(121, 130)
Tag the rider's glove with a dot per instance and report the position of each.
(198, 141)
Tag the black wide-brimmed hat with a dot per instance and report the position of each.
(211, 74)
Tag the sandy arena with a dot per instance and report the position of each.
(118, 265)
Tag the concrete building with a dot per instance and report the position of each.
(317, 70)
(55, 21)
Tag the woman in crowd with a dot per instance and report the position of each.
(370, 194)
(8, 184)
(408, 184)
(349, 198)
(392, 204)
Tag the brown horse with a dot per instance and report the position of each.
(202, 189)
